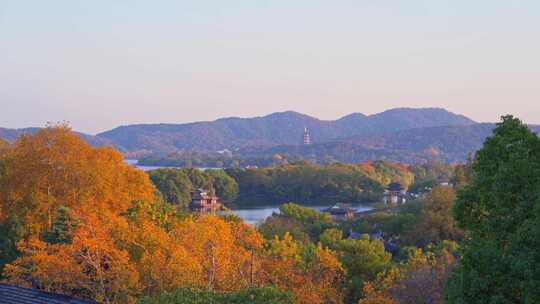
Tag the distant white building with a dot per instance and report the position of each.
(307, 137)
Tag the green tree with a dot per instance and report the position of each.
(278, 225)
(12, 230)
(265, 295)
(225, 186)
(62, 228)
(499, 209)
(363, 259)
(313, 221)
(173, 184)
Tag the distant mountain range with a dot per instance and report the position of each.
(446, 143)
(401, 134)
(284, 128)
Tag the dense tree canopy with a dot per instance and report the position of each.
(435, 222)
(193, 296)
(56, 168)
(307, 183)
(419, 279)
(362, 258)
(224, 185)
(80, 221)
(176, 185)
(499, 209)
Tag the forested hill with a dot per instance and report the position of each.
(447, 143)
(403, 135)
(284, 128)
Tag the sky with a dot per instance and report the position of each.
(103, 63)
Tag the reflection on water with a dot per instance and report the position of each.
(253, 215)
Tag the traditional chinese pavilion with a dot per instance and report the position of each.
(202, 201)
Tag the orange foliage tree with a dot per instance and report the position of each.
(96, 231)
(421, 279)
(55, 168)
(89, 267)
(315, 279)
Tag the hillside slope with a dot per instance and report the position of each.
(284, 128)
(447, 143)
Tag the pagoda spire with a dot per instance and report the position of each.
(307, 138)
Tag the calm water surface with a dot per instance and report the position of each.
(149, 168)
(145, 168)
(254, 215)
(257, 215)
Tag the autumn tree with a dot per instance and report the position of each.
(4, 145)
(55, 168)
(59, 197)
(419, 279)
(90, 267)
(435, 222)
(314, 275)
(225, 265)
(363, 259)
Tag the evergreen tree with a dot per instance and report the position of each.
(61, 231)
(500, 211)
(12, 230)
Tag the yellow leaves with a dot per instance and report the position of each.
(163, 262)
(90, 267)
(168, 269)
(284, 249)
(420, 279)
(56, 168)
(373, 296)
(246, 235)
(317, 281)
(212, 243)
(118, 250)
(49, 266)
(327, 274)
(327, 260)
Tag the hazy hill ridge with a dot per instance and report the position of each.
(403, 134)
(283, 128)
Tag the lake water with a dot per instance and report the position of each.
(145, 168)
(257, 215)
(254, 215)
(149, 168)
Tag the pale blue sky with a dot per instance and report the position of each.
(103, 63)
